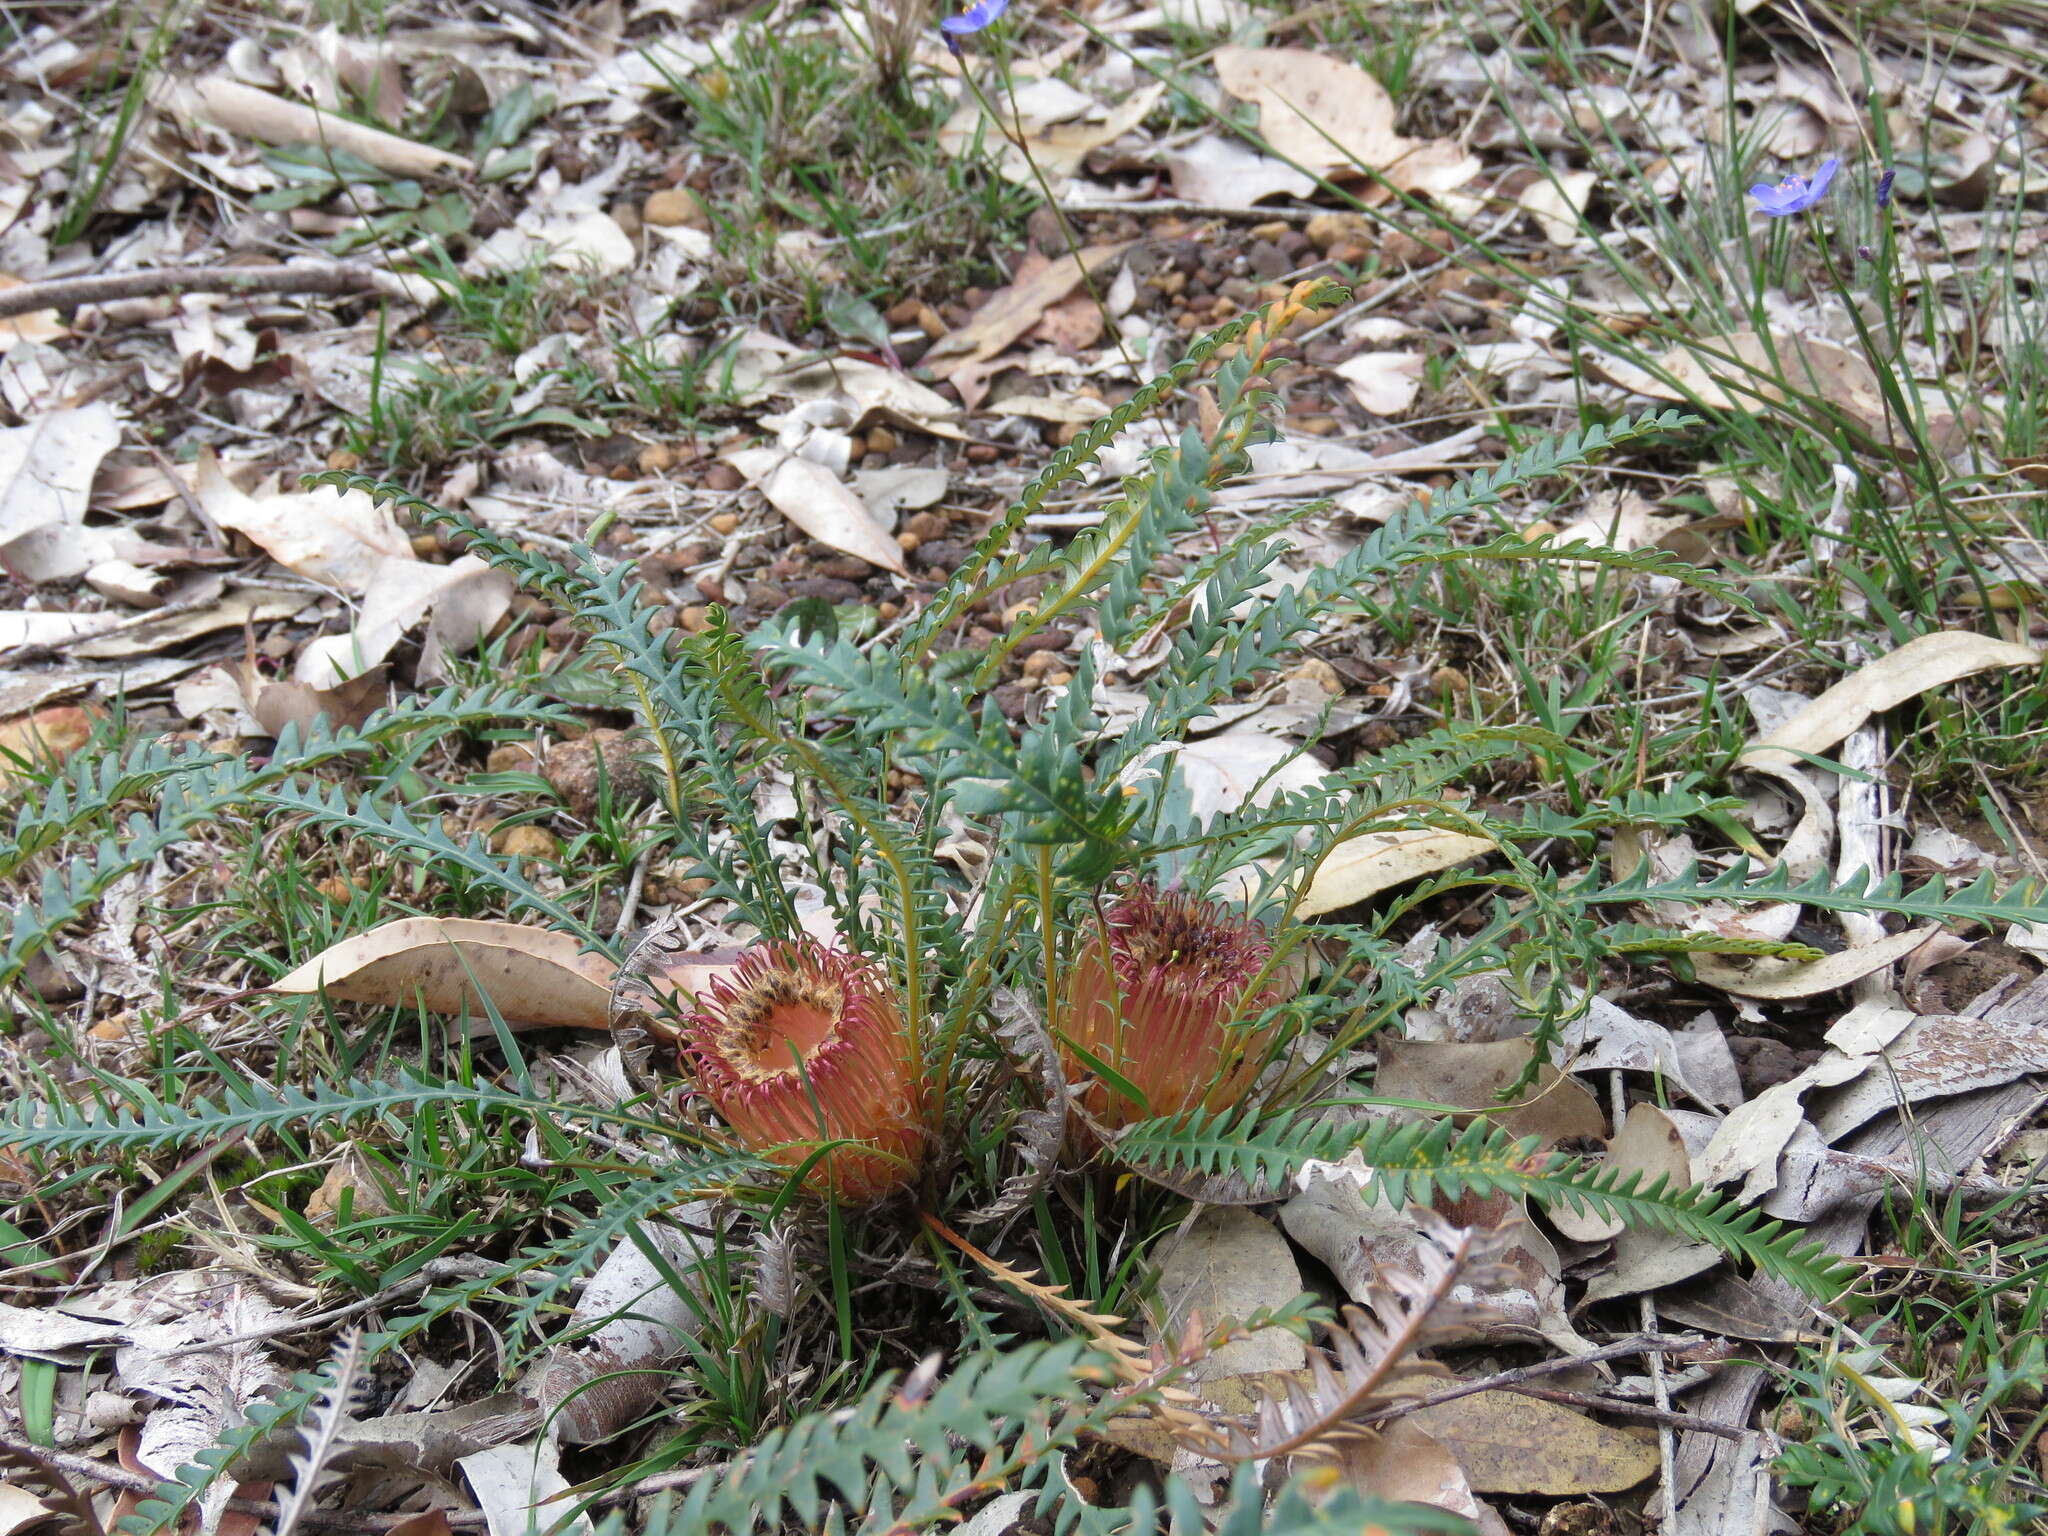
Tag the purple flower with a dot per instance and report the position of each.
(1795, 194)
(1884, 187)
(978, 15)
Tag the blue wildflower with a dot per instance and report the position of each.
(1884, 187)
(1796, 194)
(977, 16)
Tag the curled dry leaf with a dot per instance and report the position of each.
(533, 976)
(630, 1323)
(46, 737)
(815, 500)
(1012, 311)
(1923, 663)
(341, 539)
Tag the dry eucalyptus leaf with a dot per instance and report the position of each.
(1227, 1264)
(815, 500)
(1778, 980)
(1922, 663)
(1365, 866)
(1385, 383)
(1012, 311)
(1403, 1463)
(1471, 1078)
(1653, 1144)
(341, 539)
(521, 1490)
(1508, 1443)
(403, 594)
(1326, 114)
(1223, 173)
(535, 976)
(47, 466)
(44, 738)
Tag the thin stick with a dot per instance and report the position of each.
(1665, 1417)
(1639, 1344)
(154, 282)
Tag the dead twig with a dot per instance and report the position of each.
(329, 277)
(1635, 1344)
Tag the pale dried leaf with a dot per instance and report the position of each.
(1922, 663)
(816, 501)
(534, 976)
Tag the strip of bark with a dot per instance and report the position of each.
(328, 277)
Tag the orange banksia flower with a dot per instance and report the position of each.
(801, 1044)
(1158, 982)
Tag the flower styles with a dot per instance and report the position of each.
(1160, 979)
(803, 1044)
(1795, 194)
(976, 17)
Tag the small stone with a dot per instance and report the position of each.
(1267, 261)
(511, 757)
(832, 589)
(1046, 640)
(725, 523)
(907, 541)
(1314, 426)
(903, 312)
(574, 768)
(341, 458)
(339, 889)
(676, 207)
(882, 440)
(925, 526)
(929, 322)
(982, 453)
(1349, 253)
(1329, 229)
(1039, 663)
(889, 612)
(525, 841)
(1272, 229)
(425, 546)
(1319, 672)
(1172, 283)
(693, 618)
(710, 588)
(1449, 681)
(655, 458)
(1012, 699)
(1058, 679)
(723, 477)
(942, 554)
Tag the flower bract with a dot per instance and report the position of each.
(1158, 996)
(804, 1044)
(1795, 194)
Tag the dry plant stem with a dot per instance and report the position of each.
(1665, 1418)
(329, 277)
(1635, 1344)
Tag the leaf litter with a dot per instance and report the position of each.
(283, 596)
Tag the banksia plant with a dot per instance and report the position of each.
(1156, 994)
(803, 1044)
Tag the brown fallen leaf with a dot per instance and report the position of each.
(339, 539)
(47, 736)
(534, 976)
(1650, 1143)
(1012, 311)
(1404, 1464)
(1509, 1443)
(1230, 1263)
(1471, 1078)
(278, 702)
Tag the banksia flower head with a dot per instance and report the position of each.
(803, 1044)
(1152, 995)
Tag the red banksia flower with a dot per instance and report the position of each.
(1152, 995)
(801, 1044)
